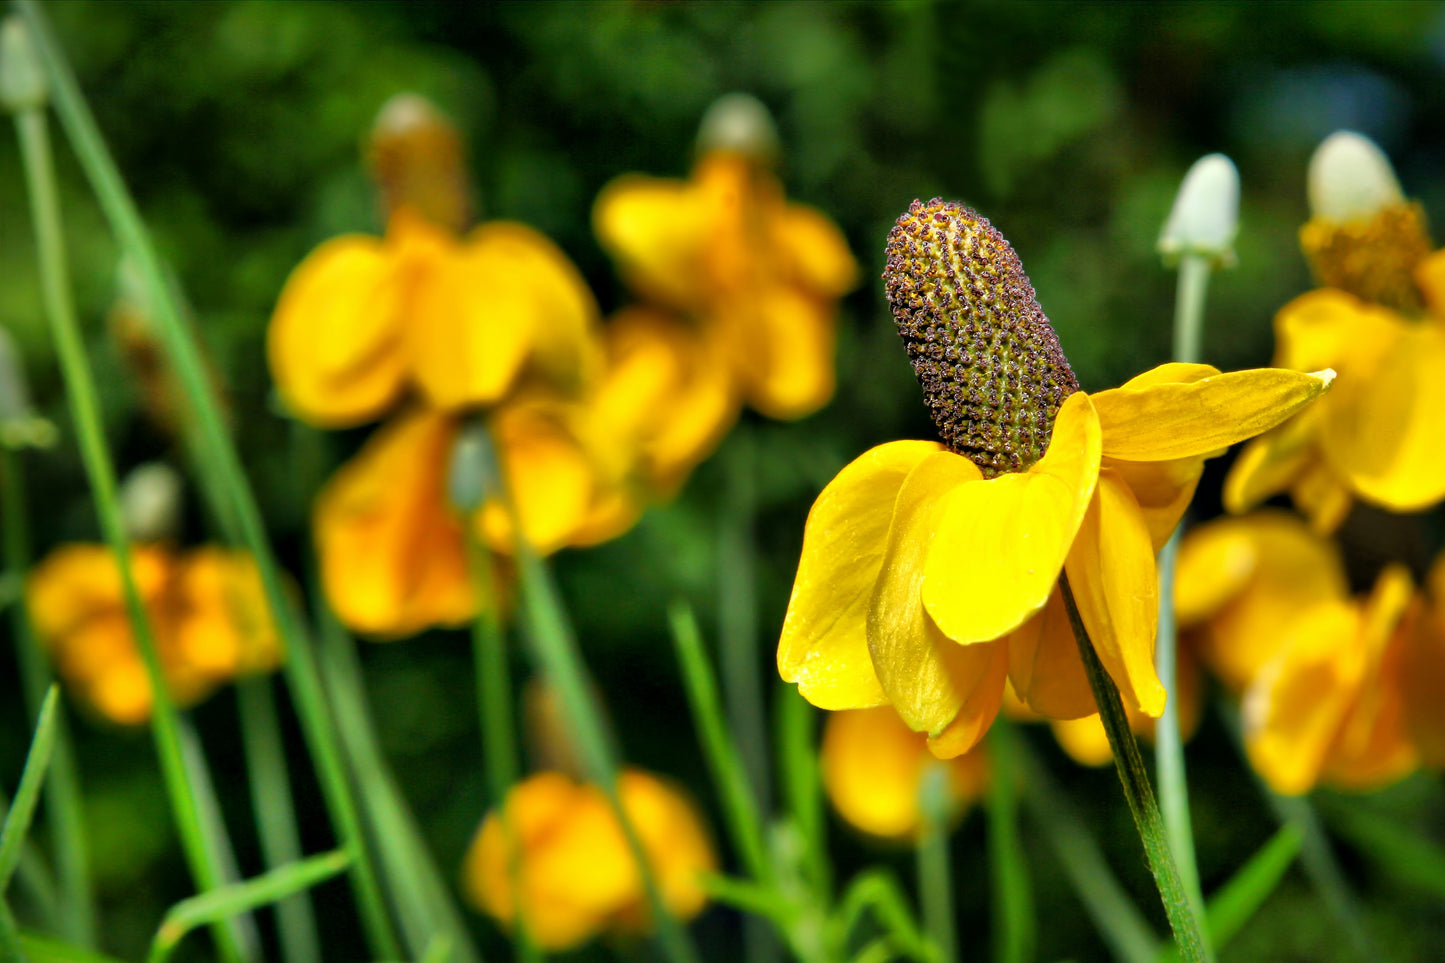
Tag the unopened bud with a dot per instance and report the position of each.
(22, 81)
(742, 124)
(1351, 179)
(472, 476)
(417, 159)
(1205, 216)
(150, 503)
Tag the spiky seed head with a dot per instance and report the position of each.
(992, 371)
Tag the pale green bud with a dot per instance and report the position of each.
(1351, 179)
(22, 81)
(742, 124)
(150, 503)
(1205, 216)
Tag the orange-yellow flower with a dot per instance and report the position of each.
(1422, 669)
(1379, 322)
(873, 769)
(207, 611)
(929, 574)
(1320, 672)
(561, 858)
(759, 277)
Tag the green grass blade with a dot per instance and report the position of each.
(47, 949)
(1013, 900)
(1411, 858)
(32, 778)
(1238, 900)
(238, 898)
(12, 950)
(879, 891)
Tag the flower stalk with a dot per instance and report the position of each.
(935, 872)
(1186, 925)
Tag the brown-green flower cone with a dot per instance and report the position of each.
(991, 368)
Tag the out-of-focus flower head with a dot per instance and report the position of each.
(560, 859)
(753, 278)
(874, 767)
(494, 329)
(207, 610)
(931, 571)
(1319, 671)
(1379, 321)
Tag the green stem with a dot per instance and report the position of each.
(499, 738)
(1013, 903)
(1108, 905)
(10, 949)
(63, 796)
(1187, 927)
(555, 647)
(802, 782)
(275, 816)
(85, 412)
(1168, 741)
(935, 874)
(234, 498)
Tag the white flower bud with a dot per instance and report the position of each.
(1205, 216)
(472, 476)
(150, 503)
(22, 81)
(1351, 179)
(740, 123)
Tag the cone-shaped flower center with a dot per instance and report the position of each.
(992, 371)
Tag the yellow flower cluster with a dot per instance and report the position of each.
(556, 855)
(206, 607)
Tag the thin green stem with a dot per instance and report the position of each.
(1118, 921)
(730, 778)
(1013, 902)
(556, 651)
(1187, 927)
(802, 782)
(271, 798)
(935, 872)
(226, 489)
(494, 702)
(1168, 742)
(10, 949)
(63, 797)
(85, 412)
(32, 778)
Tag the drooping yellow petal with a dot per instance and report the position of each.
(1114, 581)
(999, 544)
(824, 644)
(1272, 462)
(225, 627)
(1045, 667)
(929, 679)
(676, 844)
(549, 475)
(1294, 706)
(1084, 739)
(1214, 565)
(1422, 676)
(333, 343)
(873, 767)
(486, 308)
(781, 341)
(1163, 490)
(392, 555)
(1328, 329)
(1385, 434)
(1168, 420)
(1322, 496)
(1430, 279)
(1294, 570)
(814, 251)
(979, 708)
(656, 230)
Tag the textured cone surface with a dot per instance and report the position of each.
(1374, 260)
(991, 368)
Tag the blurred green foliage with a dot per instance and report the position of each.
(239, 125)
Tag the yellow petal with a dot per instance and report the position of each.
(815, 251)
(824, 644)
(1163, 490)
(1111, 571)
(484, 309)
(1045, 667)
(930, 680)
(1327, 329)
(334, 340)
(1322, 496)
(1430, 278)
(1294, 707)
(1215, 563)
(549, 475)
(782, 341)
(392, 555)
(979, 708)
(675, 841)
(1000, 543)
(1182, 419)
(1084, 740)
(656, 230)
(1385, 434)
(1272, 462)
(1422, 677)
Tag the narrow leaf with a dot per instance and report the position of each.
(17, 822)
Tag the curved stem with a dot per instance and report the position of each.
(1188, 931)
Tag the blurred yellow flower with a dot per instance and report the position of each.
(207, 610)
(758, 276)
(1380, 324)
(873, 768)
(931, 573)
(1320, 673)
(1422, 669)
(575, 877)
